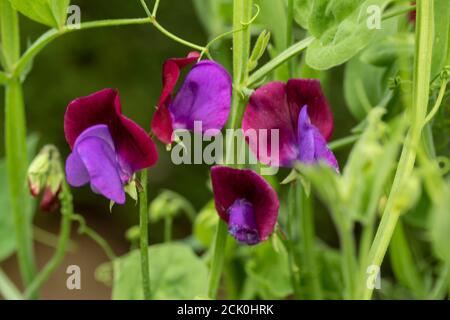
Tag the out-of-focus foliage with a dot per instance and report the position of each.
(175, 273)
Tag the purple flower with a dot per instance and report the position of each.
(301, 113)
(107, 147)
(246, 202)
(204, 96)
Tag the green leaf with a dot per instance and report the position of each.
(440, 225)
(258, 50)
(441, 46)
(302, 12)
(205, 224)
(362, 87)
(175, 273)
(341, 31)
(49, 12)
(7, 235)
(269, 268)
(59, 9)
(402, 261)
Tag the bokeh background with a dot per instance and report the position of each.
(128, 58)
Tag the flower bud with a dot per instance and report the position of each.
(45, 173)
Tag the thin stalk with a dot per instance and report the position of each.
(98, 239)
(284, 56)
(218, 258)
(64, 235)
(308, 237)
(291, 213)
(421, 86)
(143, 222)
(155, 8)
(53, 34)
(15, 145)
(438, 103)
(348, 262)
(398, 12)
(289, 34)
(7, 288)
(242, 12)
(17, 162)
(341, 143)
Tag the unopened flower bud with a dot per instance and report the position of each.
(45, 173)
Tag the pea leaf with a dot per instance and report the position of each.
(49, 12)
(175, 273)
(269, 269)
(302, 12)
(441, 47)
(341, 30)
(440, 225)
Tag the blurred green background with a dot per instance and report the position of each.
(127, 58)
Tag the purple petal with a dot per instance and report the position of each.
(308, 92)
(204, 96)
(312, 145)
(268, 109)
(94, 160)
(134, 146)
(162, 121)
(231, 184)
(242, 223)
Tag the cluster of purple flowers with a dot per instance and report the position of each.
(108, 148)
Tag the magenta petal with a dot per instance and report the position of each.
(313, 147)
(162, 121)
(231, 184)
(268, 109)
(134, 146)
(204, 96)
(308, 92)
(94, 160)
(242, 222)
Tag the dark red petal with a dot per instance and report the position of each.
(231, 184)
(50, 201)
(308, 92)
(134, 145)
(268, 109)
(162, 122)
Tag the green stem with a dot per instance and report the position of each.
(341, 143)
(242, 12)
(308, 237)
(99, 240)
(438, 103)
(7, 288)
(53, 34)
(155, 8)
(284, 56)
(3, 78)
(289, 34)
(64, 235)
(290, 226)
(218, 258)
(349, 265)
(15, 145)
(16, 159)
(421, 86)
(143, 222)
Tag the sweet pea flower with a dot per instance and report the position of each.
(301, 113)
(107, 147)
(204, 96)
(246, 202)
